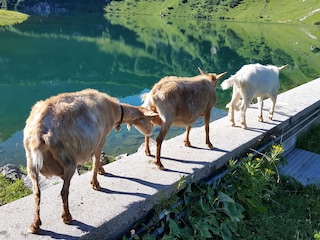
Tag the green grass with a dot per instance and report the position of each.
(11, 17)
(293, 213)
(310, 140)
(288, 11)
(12, 190)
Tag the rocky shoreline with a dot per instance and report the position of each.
(14, 173)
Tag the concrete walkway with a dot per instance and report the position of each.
(133, 184)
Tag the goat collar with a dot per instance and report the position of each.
(121, 118)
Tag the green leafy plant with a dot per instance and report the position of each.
(208, 213)
(219, 211)
(254, 180)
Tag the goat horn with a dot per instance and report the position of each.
(201, 71)
(283, 67)
(221, 75)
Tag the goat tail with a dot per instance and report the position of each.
(227, 83)
(146, 98)
(37, 160)
(32, 139)
(282, 67)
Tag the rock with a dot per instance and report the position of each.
(43, 182)
(12, 172)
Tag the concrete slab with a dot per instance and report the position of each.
(302, 165)
(133, 184)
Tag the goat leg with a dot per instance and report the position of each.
(186, 140)
(101, 170)
(157, 160)
(159, 140)
(66, 216)
(96, 167)
(231, 115)
(147, 149)
(35, 226)
(206, 122)
(270, 115)
(273, 99)
(260, 102)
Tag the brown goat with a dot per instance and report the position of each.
(69, 129)
(180, 101)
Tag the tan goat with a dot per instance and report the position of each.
(180, 101)
(69, 129)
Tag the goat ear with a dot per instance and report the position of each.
(201, 71)
(221, 75)
(156, 120)
(143, 96)
(149, 113)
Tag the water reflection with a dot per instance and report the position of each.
(124, 56)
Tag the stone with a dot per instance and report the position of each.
(12, 172)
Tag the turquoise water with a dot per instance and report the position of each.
(45, 56)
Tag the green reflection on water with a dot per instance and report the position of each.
(124, 56)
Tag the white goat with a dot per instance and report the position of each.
(69, 129)
(252, 81)
(180, 101)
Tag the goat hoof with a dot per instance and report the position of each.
(101, 171)
(95, 185)
(66, 218)
(159, 165)
(187, 144)
(147, 152)
(34, 228)
(244, 126)
(210, 145)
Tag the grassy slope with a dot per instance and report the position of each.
(292, 11)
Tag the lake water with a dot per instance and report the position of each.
(125, 56)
